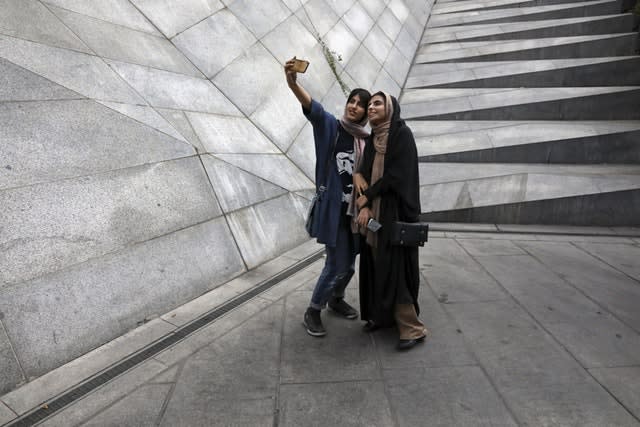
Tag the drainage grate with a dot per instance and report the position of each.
(49, 408)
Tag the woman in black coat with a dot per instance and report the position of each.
(389, 186)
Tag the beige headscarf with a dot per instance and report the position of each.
(380, 139)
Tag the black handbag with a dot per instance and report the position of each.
(409, 233)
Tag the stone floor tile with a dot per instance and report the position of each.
(486, 247)
(623, 383)
(222, 413)
(623, 257)
(6, 414)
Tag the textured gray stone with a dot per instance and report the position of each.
(452, 272)
(115, 42)
(237, 189)
(107, 395)
(342, 41)
(147, 116)
(179, 121)
(31, 20)
(140, 408)
(460, 396)
(374, 7)
(358, 21)
(208, 45)
(397, 65)
(623, 383)
(82, 73)
(9, 366)
(378, 44)
(345, 354)
(265, 230)
(314, 404)
(227, 134)
(259, 18)
(75, 138)
(120, 12)
(252, 374)
(621, 256)
(301, 152)
(484, 247)
(172, 18)
(6, 414)
(317, 16)
(171, 90)
(102, 294)
(363, 67)
(275, 168)
(390, 24)
(588, 274)
(39, 238)
(18, 84)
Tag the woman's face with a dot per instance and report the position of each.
(376, 110)
(354, 111)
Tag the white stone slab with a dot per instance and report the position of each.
(317, 16)
(399, 9)
(259, 17)
(397, 65)
(6, 414)
(120, 12)
(208, 44)
(460, 6)
(374, 7)
(173, 18)
(120, 43)
(390, 24)
(18, 84)
(358, 21)
(625, 258)
(236, 188)
(265, 230)
(52, 140)
(51, 226)
(406, 44)
(227, 134)
(85, 74)
(378, 43)
(386, 83)
(102, 297)
(31, 20)
(145, 115)
(180, 122)
(301, 152)
(251, 79)
(342, 41)
(170, 90)
(274, 168)
(363, 68)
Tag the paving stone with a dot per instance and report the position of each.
(481, 247)
(140, 408)
(145, 115)
(240, 366)
(458, 396)
(6, 414)
(18, 84)
(9, 366)
(623, 383)
(315, 404)
(451, 272)
(277, 169)
(179, 121)
(92, 404)
(172, 18)
(623, 257)
(166, 377)
(344, 354)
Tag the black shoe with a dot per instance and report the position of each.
(313, 323)
(370, 327)
(340, 306)
(404, 345)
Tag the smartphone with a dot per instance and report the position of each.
(373, 225)
(300, 65)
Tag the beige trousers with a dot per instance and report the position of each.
(409, 326)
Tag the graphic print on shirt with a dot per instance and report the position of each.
(344, 162)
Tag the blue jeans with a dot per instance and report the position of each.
(339, 267)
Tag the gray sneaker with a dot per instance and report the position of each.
(313, 323)
(340, 306)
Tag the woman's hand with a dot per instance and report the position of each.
(363, 217)
(288, 71)
(362, 201)
(359, 183)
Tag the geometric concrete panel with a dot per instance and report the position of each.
(317, 16)
(50, 226)
(116, 42)
(179, 121)
(406, 44)
(374, 8)
(363, 67)
(267, 229)
(173, 18)
(31, 20)
(120, 12)
(251, 79)
(275, 168)
(6, 414)
(378, 44)
(10, 370)
(557, 11)
(544, 48)
(51, 140)
(301, 152)
(358, 21)
(171, 90)
(623, 257)
(385, 83)
(235, 188)
(146, 115)
(227, 134)
(390, 24)
(342, 41)
(623, 383)
(18, 84)
(259, 17)
(208, 44)
(82, 73)
(397, 65)
(102, 297)
(468, 5)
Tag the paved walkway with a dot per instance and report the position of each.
(529, 327)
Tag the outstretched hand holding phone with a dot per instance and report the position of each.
(291, 69)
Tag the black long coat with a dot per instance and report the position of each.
(393, 277)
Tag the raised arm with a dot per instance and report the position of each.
(300, 93)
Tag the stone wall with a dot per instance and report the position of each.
(150, 152)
